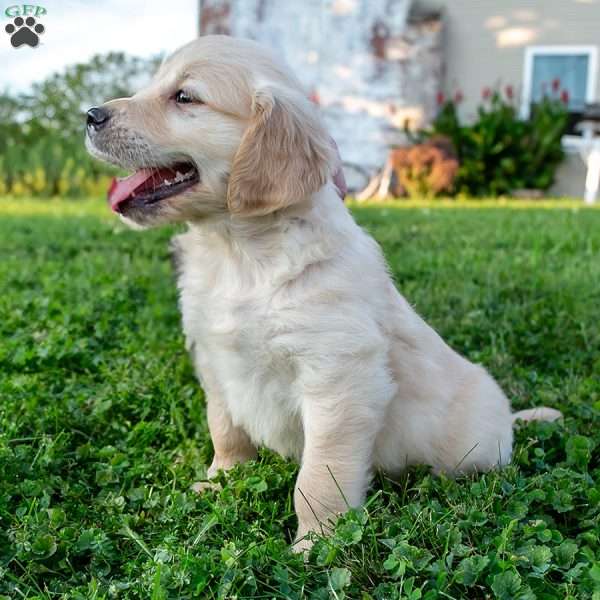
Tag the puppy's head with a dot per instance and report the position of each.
(222, 129)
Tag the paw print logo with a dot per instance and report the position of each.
(24, 32)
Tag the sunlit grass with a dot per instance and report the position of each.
(465, 203)
(97, 206)
(103, 425)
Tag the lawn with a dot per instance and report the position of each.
(103, 429)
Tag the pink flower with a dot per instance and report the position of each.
(564, 97)
(314, 97)
(440, 98)
(458, 97)
(555, 84)
(510, 92)
(486, 93)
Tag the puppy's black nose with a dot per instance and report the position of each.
(97, 117)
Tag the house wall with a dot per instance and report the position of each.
(485, 43)
(486, 39)
(570, 177)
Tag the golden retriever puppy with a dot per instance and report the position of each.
(297, 333)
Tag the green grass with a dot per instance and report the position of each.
(102, 423)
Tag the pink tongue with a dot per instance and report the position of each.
(120, 189)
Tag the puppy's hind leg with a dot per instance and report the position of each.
(540, 413)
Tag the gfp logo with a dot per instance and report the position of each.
(24, 29)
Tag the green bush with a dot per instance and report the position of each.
(42, 149)
(499, 152)
(49, 165)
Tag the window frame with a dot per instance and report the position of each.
(557, 50)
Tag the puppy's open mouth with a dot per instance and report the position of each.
(148, 186)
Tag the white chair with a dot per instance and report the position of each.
(590, 153)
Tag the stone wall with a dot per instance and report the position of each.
(370, 64)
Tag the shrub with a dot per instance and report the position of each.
(499, 152)
(425, 170)
(51, 165)
(42, 149)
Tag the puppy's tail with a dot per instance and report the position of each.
(541, 413)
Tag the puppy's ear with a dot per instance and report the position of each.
(284, 156)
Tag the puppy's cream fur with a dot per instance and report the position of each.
(298, 335)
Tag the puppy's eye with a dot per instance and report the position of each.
(182, 97)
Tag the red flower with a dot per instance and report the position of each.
(564, 96)
(458, 97)
(440, 98)
(510, 92)
(486, 93)
(314, 97)
(555, 84)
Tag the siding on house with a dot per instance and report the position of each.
(485, 42)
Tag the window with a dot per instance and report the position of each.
(552, 70)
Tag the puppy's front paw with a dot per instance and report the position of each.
(209, 485)
(202, 486)
(302, 545)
